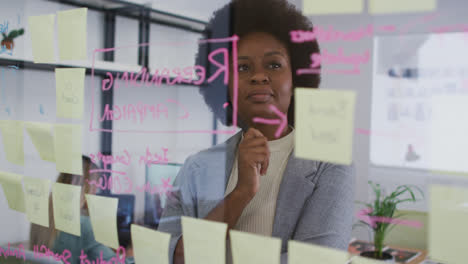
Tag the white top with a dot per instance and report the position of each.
(259, 214)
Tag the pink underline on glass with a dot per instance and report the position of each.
(169, 43)
(322, 71)
(364, 216)
(267, 121)
(233, 38)
(166, 131)
(109, 171)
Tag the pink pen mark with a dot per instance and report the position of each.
(282, 122)
(44, 252)
(364, 216)
(186, 115)
(183, 76)
(166, 186)
(330, 34)
(328, 58)
(17, 252)
(225, 105)
(118, 259)
(329, 71)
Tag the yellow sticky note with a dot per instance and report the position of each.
(36, 195)
(69, 84)
(204, 241)
(103, 214)
(448, 215)
(324, 125)
(150, 246)
(249, 248)
(71, 26)
(67, 146)
(66, 203)
(401, 6)
(42, 30)
(302, 253)
(13, 190)
(12, 133)
(42, 137)
(320, 7)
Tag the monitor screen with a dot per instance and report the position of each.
(419, 96)
(159, 181)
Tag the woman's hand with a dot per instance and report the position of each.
(253, 161)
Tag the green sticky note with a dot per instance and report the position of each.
(42, 30)
(66, 203)
(67, 146)
(12, 133)
(69, 84)
(320, 7)
(363, 260)
(204, 241)
(302, 253)
(13, 190)
(43, 139)
(36, 195)
(401, 6)
(103, 215)
(150, 246)
(324, 125)
(448, 215)
(71, 26)
(251, 248)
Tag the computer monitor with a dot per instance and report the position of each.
(125, 216)
(159, 178)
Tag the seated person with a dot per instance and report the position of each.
(253, 181)
(58, 241)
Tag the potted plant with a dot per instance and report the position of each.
(7, 42)
(380, 216)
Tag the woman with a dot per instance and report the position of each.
(59, 241)
(263, 188)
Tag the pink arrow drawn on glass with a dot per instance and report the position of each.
(282, 122)
(372, 221)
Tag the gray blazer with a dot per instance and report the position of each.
(314, 204)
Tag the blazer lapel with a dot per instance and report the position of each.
(295, 188)
(231, 150)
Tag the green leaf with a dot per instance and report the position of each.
(15, 33)
(12, 34)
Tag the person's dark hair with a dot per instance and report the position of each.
(241, 17)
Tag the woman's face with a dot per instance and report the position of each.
(265, 77)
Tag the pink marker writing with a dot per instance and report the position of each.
(118, 259)
(17, 252)
(154, 158)
(125, 159)
(182, 76)
(282, 121)
(115, 184)
(140, 111)
(364, 216)
(44, 252)
(340, 58)
(330, 34)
